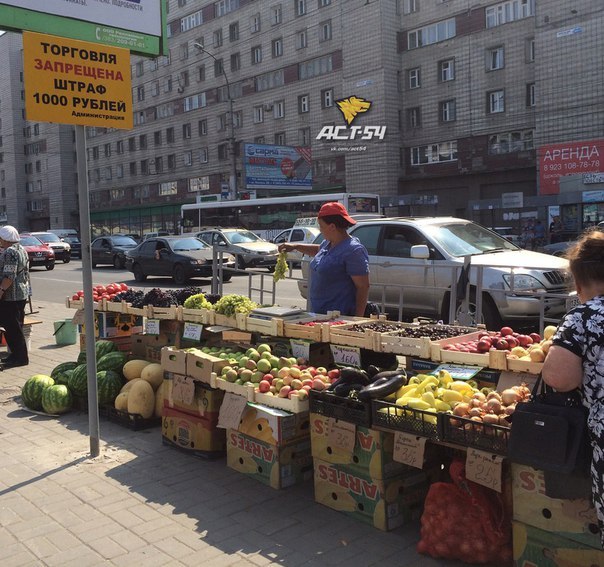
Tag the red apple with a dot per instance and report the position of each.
(483, 345)
(505, 331)
(264, 386)
(512, 341)
(501, 344)
(524, 340)
(536, 337)
(333, 374)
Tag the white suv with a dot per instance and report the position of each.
(417, 261)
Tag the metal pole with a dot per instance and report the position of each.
(93, 405)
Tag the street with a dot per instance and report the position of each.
(55, 285)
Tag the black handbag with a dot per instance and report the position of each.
(549, 432)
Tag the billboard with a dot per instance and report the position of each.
(569, 158)
(277, 167)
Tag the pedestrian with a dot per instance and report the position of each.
(14, 292)
(576, 357)
(339, 270)
(554, 230)
(539, 234)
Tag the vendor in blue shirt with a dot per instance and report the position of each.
(339, 278)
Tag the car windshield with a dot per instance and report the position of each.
(48, 237)
(71, 239)
(124, 241)
(29, 241)
(241, 236)
(187, 244)
(462, 239)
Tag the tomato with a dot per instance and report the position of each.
(75, 297)
(80, 292)
(124, 287)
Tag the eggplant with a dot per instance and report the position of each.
(383, 387)
(345, 389)
(388, 374)
(349, 375)
(373, 370)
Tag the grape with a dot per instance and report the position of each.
(197, 301)
(233, 303)
(181, 295)
(281, 267)
(132, 296)
(158, 298)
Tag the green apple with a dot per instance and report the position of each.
(263, 348)
(264, 365)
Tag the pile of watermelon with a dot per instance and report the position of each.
(55, 394)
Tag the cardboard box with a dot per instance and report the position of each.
(109, 324)
(383, 503)
(372, 454)
(174, 360)
(537, 548)
(123, 344)
(200, 365)
(275, 466)
(272, 425)
(148, 347)
(195, 398)
(196, 435)
(570, 519)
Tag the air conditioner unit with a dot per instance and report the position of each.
(268, 107)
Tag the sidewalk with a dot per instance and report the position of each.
(140, 502)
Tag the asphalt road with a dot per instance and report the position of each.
(55, 285)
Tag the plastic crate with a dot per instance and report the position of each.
(132, 421)
(399, 418)
(469, 433)
(347, 409)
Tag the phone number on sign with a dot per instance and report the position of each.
(571, 166)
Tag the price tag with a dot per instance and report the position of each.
(409, 449)
(458, 372)
(300, 348)
(79, 317)
(484, 468)
(341, 434)
(152, 327)
(192, 331)
(349, 356)
(231, 410)
(183, 389)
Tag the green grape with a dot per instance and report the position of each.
(233, 303)
(281, 267)
(197, 301)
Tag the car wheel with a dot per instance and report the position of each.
(226, 278)
(139, 276)
(178, 274)
(271, 269)
(490, 316)
(240, 263)
(66, 258)
(50, 266)
(93, 264)
(117, 263)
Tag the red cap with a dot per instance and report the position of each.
(335, 209)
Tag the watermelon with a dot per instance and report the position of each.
(109, 384)
(78, 381)
(31, 394)
(58, 372)
(56, 399)
(103, 347)
(82, 357)
(112, 361)
(63, 378)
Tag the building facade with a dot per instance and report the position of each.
(477, 99)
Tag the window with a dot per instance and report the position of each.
(530, 50)
(446, 70)
(315, 67)
(188, 158)
(108, 174)
(509, 142)
(95, 152)
(304, 137)
(132, 168)
(238, 119)
(258, 114)
(323, 3)
(303, 103)
(280, 138)
(159, 165)
(223, 7)
(107, 150)
(131, 144)
(140, 93)
(510, 11)
(279, 109)
(434, 153)
(413, 78)
(300, 7)
(277, 47)
(217, 37)
(447, 110)
(203, 155)
(256, 54)
(139, 68)
(410, 6)
(218, 68)
(142, 141)
(154, 88)
(325, 31)
(223, 151)
(431, 34)
(530, 95)
(119, 171)
(157, 138)
(168, 188)
(170, 135)
(183, 51)
(186, 131)
(301, 39)
(139, 118)
(172, 161)
(235, 61)
(255, 23)
(414, 117)
(222, 121)
(168, 84)
(38, 167)
(183, 79)
(327, 98)
(202, 127)
(191, 21)
(201, 73)
(495, 102)
(276, 15)
(495, 58)
(234, 31)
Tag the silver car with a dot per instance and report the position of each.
(416, 262)
(298, 235)
(249, 249)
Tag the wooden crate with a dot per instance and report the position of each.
(293, 405)
(436, 347)
(342, 335)
(272, 327)
(493, 359)
(117, 307)
(237, 322)
(222, 384)
(516, 365)
(162, 312)
(203, 316)
(298, 331)
(140, 311)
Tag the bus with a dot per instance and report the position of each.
(269, 215)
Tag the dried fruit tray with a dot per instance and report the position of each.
(421, 346)
(469, 433)
(293, 404)
(517, 365)
(385, 415)
(349, 335)
(339, 407)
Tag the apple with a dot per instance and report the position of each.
(536, 337)
(321, 370)
(512, 341)
(333, 374)
(505, 331)
(264, 386)
(284, 391)
(307, 382)
(318, 384)
(501, 344)
(483, 345)
(524, 340)
(311, 370)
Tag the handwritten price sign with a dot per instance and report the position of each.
(152, 327)
(349, 356)
(192, 331)
(484, 468)
(231, 410)
(300, 348)
(409, 449)
(341, 434)
(183, 389)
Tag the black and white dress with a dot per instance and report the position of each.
(582, 332)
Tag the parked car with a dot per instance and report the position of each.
(508, 232)
(560, 247)
(155, 234)
(182, 257)
(249, 249)
(63, 232)
(39, 254)
(416, 253)
(298, 234)
(111, 250)
(76, 245)
(61, 249)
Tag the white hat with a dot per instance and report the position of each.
(9, 234)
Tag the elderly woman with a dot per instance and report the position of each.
(14, 291)
(339, 279)
(576, 357)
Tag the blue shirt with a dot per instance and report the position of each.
(331, 285)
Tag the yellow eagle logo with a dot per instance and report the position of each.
(351, 106)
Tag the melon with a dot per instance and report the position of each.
(58, 373)
(32, 390)
(154, 374)
(121, 401)
(81, 357)
(112, 361)
(160, 394)
(141, 399)
(133, 368)
(56, 399)
(109, 384)
(126, 387)
(78, 381)
(103, 347)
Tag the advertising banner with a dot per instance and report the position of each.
(570, 158)
(277, 167)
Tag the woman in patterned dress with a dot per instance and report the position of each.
(576, 357)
